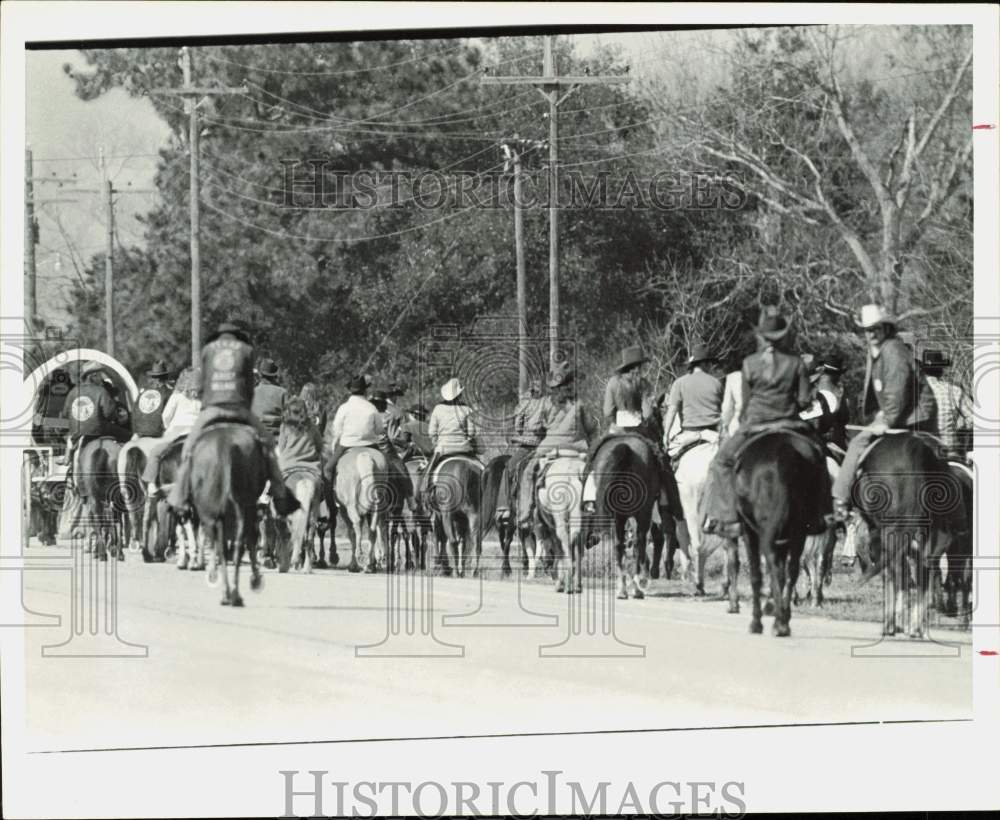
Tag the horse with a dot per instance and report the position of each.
(958, 581)
(400, 517)
(228, 474)
(416, 524)
(777, 474)
(817, 555)
(507, 526)
(626, 470)
(455, 495)
(131, 463)
(99, 490)
(365, 493)
(906, 493)
(159, 514)
(559, 498)
(692, 479)
(306, 485)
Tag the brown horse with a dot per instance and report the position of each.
(626, 471)
(777, 481)
(415, 524)
(907, 495)
(496, 473)
(455, 495)
(99, 490)
(228, 474)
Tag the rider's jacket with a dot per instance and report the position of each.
(91, 411)
(147, 418)
(227, 372)
(895, 386)
(269, 404)
(775, 387)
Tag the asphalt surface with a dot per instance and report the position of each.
(288, 667)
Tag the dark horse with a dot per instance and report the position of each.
(506, 526)
(228, 474)
(626, 471)
(778, 480)
(907, 494)
(99, 490)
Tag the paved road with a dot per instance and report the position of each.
(286, 667)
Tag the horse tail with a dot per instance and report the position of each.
(368, 494)
(492, 476)
(614, 465)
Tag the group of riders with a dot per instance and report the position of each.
(775, 388)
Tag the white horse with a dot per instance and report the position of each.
(559, 502)
(692, 478)
(364, 493)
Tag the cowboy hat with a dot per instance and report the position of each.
(699, 353)
(158, 370)
(378, 395)
(229, 327)
(357, 385)
(417, 410)
(833, 363)
(631, 357)
(872, 315)
(451, 389)
(772, 326)
(91, 367)
(562, 374)
(267, 368)
(395, 389)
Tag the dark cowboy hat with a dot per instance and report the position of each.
(395, 389)
(229, 327)
(699, 353)
(934, 359)
(379, 395)
(417, 410)
(357, 384)
(631, 357)
(772, 326)
(267, 368)
(833, 363)
(561, 374)
(159, 370)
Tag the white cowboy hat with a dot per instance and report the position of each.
(872, 315)
(451, 389)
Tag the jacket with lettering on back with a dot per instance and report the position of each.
(227, 373)
(147, 420)
(91, 411)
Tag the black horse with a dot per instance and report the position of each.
(908, 495)
(779, 478)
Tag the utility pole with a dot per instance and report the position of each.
(30, 238)
(193, 97)
(512, 150)
(109, 267)
(550, 85)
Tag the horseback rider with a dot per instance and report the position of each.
(954, 415)
(567, 427)
(894, 390)
(829, 411)
(227, 365)
(300, 443)
(357, 423)
(629, 408)
(394, 416)
(47, 427)
(451, 428)
(179, 416)
(147, 421)
(775, 389)
(92, 413)
(386, 444)
(531, 418)
(269, 397)
(413, 434)
(697, 398)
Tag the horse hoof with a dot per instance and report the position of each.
(578, 588)
(257, 583)
(639, 594)
(319, 563)
(147, 558)
(334, 560)
(781, 630)
(699, 590)
(756, 627)
(369, 570)
(183, 563)
(270, 563)
(622, 596)
(197, 566)
(769, 608)
(733, 609)
(237, 600)
(654, 573)
(353, 567)
(225, 601)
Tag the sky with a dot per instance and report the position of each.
(67, 135)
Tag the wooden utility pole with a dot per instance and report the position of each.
(191, 96)
(512, 151)
(551, 85)
(109, 265)
(30, 237)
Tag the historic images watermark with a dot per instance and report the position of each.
(315, 184)
(315, 794)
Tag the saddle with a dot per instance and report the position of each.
(675, 459)
(793, 427)
(929, 439)
(550, 458)
(451, 457)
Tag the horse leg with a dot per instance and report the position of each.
(354, 535)
(218, 531)
(238, 545)
(732, 575)
(657, 536)
(640, 580)
(477, 542)
(620, 557)
(777, 558)
(919, 550)
(756, 581)
(793, 563)
(505, 536)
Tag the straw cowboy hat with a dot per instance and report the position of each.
(451, 389)
(631, 357)
(772, 326)
(268, 368)
(158, 370)
(699, 353)
(562, 374)
(873, 315)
